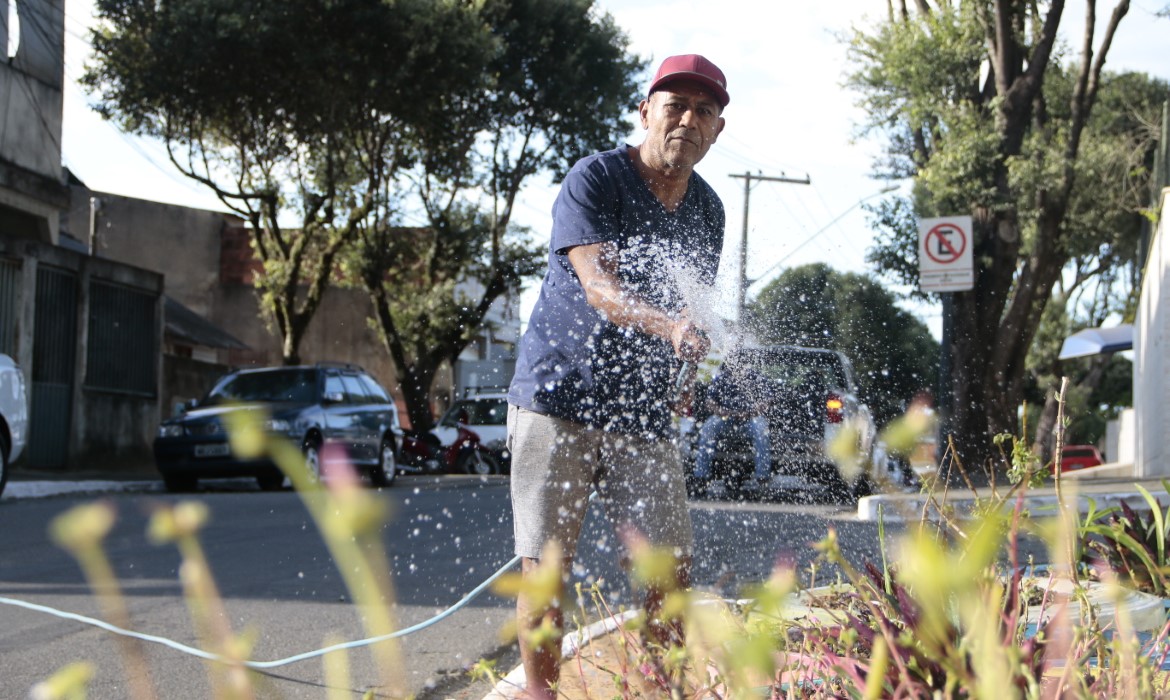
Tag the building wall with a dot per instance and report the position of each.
(206, 258)
(181, 242)
(338, 332)
(96, 425)
(31, 98)
(184, 379)
(1151, 386)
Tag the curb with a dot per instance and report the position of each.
(44, 489)
(908, 507)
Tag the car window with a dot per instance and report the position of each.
(354, 389)
(796, 370)
(374, 389)
(293, 385)
(479, 412)
(493, 412)
(1081, 452)
(333, 384)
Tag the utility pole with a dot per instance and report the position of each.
(743, 243)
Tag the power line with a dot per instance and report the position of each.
(759, 165)
(884, 190)
(839, 236)
(743, 245)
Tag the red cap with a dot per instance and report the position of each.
(692, 67)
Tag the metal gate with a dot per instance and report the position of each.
(54, 349)
(9, 295)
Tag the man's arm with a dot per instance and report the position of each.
(596, 266)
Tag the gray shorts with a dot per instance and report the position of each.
(557, 463)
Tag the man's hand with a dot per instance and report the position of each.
(690, 341)
(596, 265)
(686, 395)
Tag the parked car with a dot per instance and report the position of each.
(13, 416)
(313, 406)
(1074, 457)
(809, 399)
(486, 417)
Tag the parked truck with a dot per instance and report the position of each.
(809, 397)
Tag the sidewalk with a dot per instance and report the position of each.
(42, 488)
(1105, 493)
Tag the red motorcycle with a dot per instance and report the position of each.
(422, 453)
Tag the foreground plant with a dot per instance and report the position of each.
(948, 617)
(81, 531)
(349, 518)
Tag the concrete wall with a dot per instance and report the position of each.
(181, 242)
(1120, 438)
(338, 332)
(185, 378)
(1151, 386)
(31, 98)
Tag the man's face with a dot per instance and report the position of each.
(681, 121)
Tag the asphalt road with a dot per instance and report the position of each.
(278, 581)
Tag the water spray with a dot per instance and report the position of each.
(687, 368)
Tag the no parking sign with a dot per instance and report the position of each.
(944, 254)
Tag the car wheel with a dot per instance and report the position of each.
(477, 462)
(312, 452)
(176, 483)
(3, 463)
(387, 468)
(270, 481)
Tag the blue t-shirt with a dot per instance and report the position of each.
(573, 363)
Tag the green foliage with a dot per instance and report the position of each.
(893, 353)
(1130, 544)
(558, 85)
(351, 117)
(945, 620)
(303, 111)
(1050, 157)
(350, 519)
(1025, 465)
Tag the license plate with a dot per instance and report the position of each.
(214, 450)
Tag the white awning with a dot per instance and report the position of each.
(1097, 341)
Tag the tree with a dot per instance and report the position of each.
(300, 112)
(893, 354)
(559, 86)
(1000, 128)
(1100, 282)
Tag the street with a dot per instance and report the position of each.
(445, 536)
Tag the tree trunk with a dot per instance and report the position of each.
(293, 331)
(416, 392)
(414, 377)
(969, 423)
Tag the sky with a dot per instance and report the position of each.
(789, 116)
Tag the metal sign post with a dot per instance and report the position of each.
(945, 263)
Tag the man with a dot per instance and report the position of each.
(635, 229)
(737, 397)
